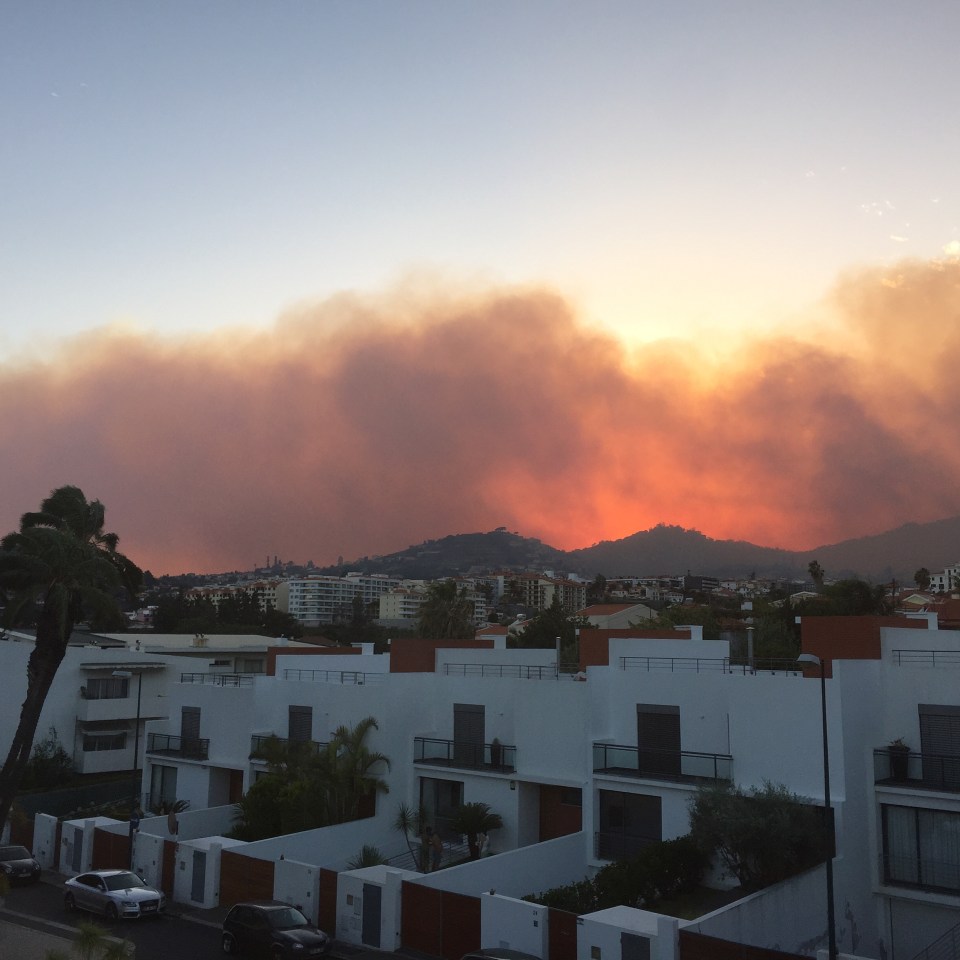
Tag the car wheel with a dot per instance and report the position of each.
(112, 912)
(228, 944)
(277, 954)
(69, 903)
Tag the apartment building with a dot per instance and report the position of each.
(322, 599)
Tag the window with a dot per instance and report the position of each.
(107, 688)
(93, 742)
(921, 848)
(628, 823)
(163, 785)
(251, 665)
(440, 799)
(571, 796)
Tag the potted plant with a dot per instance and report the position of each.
(899, 754)
(496, 753)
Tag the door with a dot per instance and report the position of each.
(299, 724)
(199, 875)
(190, 731)
(76, 853)
(940, 744)
(633, 947)
(658, 739)
(468, 734)
(370, 934)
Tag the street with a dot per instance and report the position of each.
(155, 939)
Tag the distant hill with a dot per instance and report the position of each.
(674, 550)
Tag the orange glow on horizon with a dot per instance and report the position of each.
(362, 425)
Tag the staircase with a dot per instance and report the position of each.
(946, 947)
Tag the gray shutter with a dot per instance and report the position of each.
(468, 733)
(940, 743)
(299, 723)
(189, 723)
(658, 738)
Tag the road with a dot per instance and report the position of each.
(156, 939)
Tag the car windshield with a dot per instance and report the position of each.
(121, 881)
(287, 919)
(14, 853)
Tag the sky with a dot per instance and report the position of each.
(324, 279)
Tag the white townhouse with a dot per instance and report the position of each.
(609, 759)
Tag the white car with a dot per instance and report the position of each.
(114, 893)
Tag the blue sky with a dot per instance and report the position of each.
(669, 167)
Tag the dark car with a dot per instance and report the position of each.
(273, 930)
(18, 865)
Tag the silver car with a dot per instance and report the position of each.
(114, 893)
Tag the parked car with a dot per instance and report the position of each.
(114, 893)
(18, 865)
(271, 929)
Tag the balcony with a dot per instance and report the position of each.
(492, 757)
(918, 771)
(712, 665)
(262, 746)
(188, 748)
(649, 764)
(219, 679)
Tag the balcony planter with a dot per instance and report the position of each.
(899, 754)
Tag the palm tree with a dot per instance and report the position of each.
(410, 822)
(349, 770)
(446, 613)
(61, 560)
(472, 819)
(369, 856)
(94, 943)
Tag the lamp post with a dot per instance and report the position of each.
(831, 925)
(134, 798)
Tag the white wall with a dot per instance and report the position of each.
(513, 924)
(299, 884)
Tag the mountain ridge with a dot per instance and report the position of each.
(672, 550)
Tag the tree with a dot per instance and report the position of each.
(541, 631)
(922, 578)
(305, 788)
(369, 856)
(816, 574)
(410, 822)
(63, 562)
(446, 613)
(762, 835)
(472, 819)
(94, 943)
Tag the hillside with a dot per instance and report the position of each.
(674, 550)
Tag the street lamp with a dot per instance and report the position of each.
(831, 926)
(134, 798)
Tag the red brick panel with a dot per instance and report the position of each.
(562, 931)
(244, 878)
(460, 930)
(557, 819)
(21, 831)
(422, 912)
(327, 907)
(595, 641)
(419, 655)
(846, 638)
(111, 851)
(698, 946)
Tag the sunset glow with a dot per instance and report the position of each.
(329, 279)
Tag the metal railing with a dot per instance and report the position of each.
(513, 670)
(187, 747)
(259, 745)
(945, 947)
(219, 679)
(496, 757)
(347, 677)
(711, 665)
(927, 658)
(619, 846)
(931, 771)
(654, 764)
